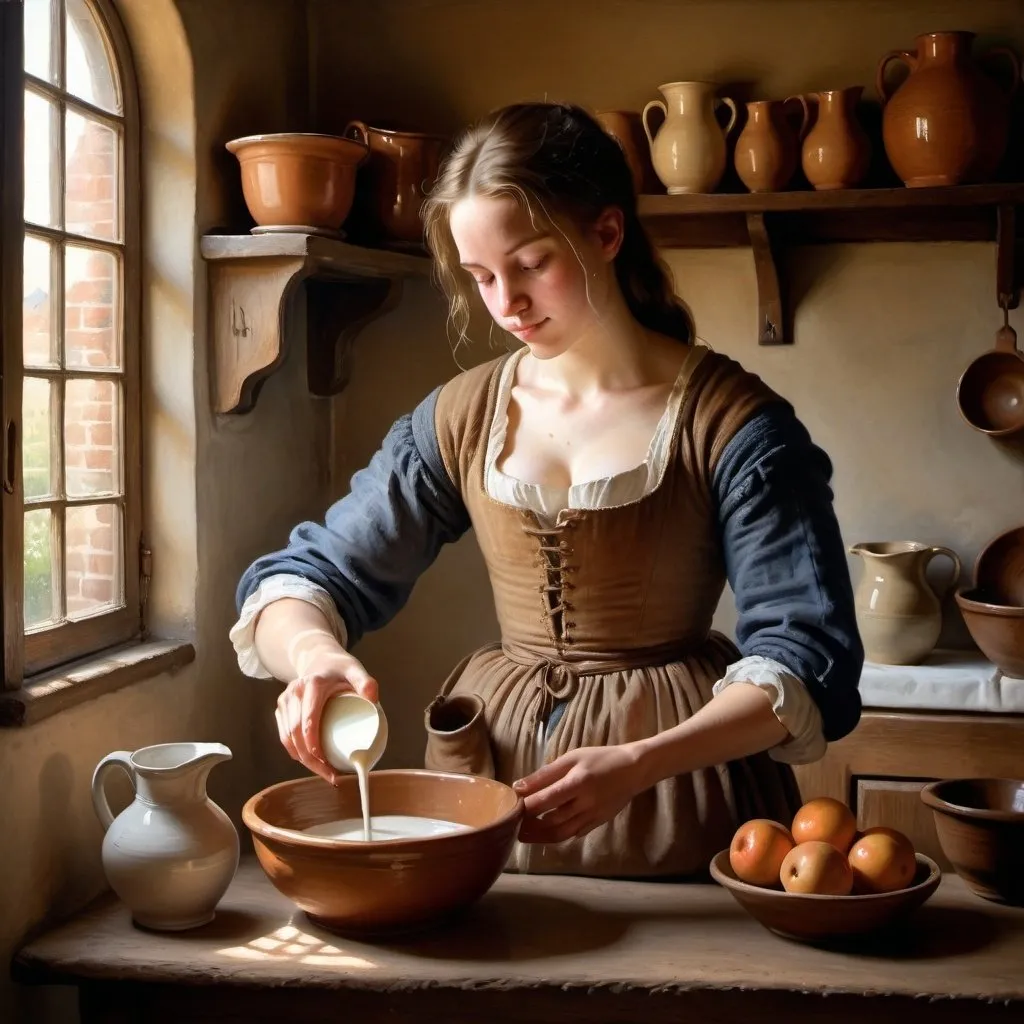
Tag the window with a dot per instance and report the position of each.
(71, 503)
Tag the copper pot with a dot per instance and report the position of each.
(990, 394)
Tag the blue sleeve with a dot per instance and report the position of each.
(786, 561)
(377, 540)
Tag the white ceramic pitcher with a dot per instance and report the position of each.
(688, 151)
(171, 853)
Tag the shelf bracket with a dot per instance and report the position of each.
(1007, 285)
(770, 325)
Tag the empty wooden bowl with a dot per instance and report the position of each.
(294, 181)
(812, 918)
(997, 629)
(999, 570)
(980, 824)
(990, 394)
(388, 886)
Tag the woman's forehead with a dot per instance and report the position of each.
(491, 222)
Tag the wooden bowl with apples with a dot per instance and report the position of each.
(819, 879)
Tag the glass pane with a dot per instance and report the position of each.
(91, 204)
(39, 594)
(94, 568)
(90, 76)
(39, 339)
(39, 40)
(92, 309)
(42, 126)
(92, 438)
(37, 432)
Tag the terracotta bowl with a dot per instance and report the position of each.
(980, 824)
(294, 180)
(998, 629)
(999, 570)
(388, 886)
(812, 918)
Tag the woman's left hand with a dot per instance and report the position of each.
(577, 792)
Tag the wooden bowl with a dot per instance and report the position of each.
(999, 570)
(388, 886)
(812, 918)
(998, 629)
(295, 180)
(980, 824)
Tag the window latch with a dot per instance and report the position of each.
(10, 456)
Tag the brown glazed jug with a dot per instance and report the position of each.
(837, 152)
(899, 615)
(768, 148)
(948, 122)
(625, 127)
(400, 168)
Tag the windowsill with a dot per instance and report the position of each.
(50, 692)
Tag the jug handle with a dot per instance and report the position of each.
(1005, 51)
(806, 117)
(905, 55)
(643, 116)
(118, 759)
(731, 104)
(357, 130)
(953, 557)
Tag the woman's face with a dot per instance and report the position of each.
(544, 287)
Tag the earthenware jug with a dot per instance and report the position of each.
(625, 128)
(836, 152)
(171, 853)
(401, 168)
(688, 151)
(899, 613)
(949, 120)
(768, 148)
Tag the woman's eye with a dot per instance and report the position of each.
(483, 280)
(536, 265)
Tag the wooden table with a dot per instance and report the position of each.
(539, 949)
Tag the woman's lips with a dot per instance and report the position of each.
(528, 329)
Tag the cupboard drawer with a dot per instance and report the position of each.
(897, 803)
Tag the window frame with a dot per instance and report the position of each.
(29, 653)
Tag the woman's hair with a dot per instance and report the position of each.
(559, 163)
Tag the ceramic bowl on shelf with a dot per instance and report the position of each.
(980, 825)
(387, 886)
(997, 629)
(810, 917)
(298, 181)
(999, 569)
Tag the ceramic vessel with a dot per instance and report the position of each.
(390, 886)
(768, 148)
(999, 570)
(810, 917)
(990, 393)
(626, 128)
(171, 853)
(997, 629)
(294, 181)
(836, 152)
(402, 166)
(688, 151)
(948, 122)
(980, 825)
(899, 614)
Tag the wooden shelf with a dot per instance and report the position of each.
(252, 278)
(771, 220)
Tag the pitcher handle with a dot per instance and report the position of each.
(358, 131)
(910, 59)
(953, 557)
(643, 117)
(731, 104)
(1005, 51)
(806, 115)
(118, 759)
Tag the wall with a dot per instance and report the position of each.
(882, 331)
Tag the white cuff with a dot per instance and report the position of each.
(793, 706)
(273, 588)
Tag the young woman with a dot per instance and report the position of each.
(616, 474)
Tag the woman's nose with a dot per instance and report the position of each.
(510, 301)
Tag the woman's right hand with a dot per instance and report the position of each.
(301, 704)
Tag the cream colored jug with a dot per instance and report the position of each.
(899, 613)
(171, 853)
(688, 151)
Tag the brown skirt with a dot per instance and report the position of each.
(490, 719)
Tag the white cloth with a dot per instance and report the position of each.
(793, 705)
